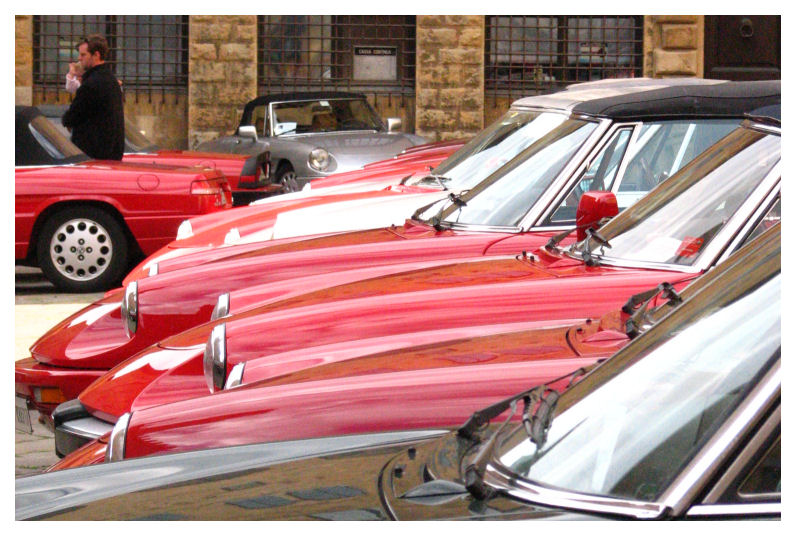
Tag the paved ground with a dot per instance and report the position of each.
(37, 307)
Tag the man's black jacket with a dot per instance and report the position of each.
(96, 115)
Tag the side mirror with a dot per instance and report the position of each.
(394, 124)
(593, 207)
(247, 131)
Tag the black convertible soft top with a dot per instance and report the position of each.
(729, 99)
(246, 119)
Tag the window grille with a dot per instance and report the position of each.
(528, 55)
(372, 54)
(148, 52)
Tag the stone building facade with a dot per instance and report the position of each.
(449, 100)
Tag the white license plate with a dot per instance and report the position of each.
(22, 415)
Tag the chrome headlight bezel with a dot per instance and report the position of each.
(118, 439)
(319, 159)
(214, 360)
(129, 309)
(222, 307)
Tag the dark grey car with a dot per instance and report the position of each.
(314, 134)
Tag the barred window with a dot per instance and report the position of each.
(539, 54)
(146, 51)
(374, 53)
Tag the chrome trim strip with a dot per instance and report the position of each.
(235, 376)
(711, 254)
(566, 176)
(118, 439)
(757, 216)
(745, 458)
(500, 477)
(129, 309)
(86, 427)
(222, 307)
(743, 509)
(593, 152)
(691, 481)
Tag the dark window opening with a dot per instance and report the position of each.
(147, 52)
(372, 54)
(527, 55)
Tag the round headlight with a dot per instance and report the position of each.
(115, 450)
(319, 159)
(214, 361)
(185, 230)
(130, 309)
(222, 307)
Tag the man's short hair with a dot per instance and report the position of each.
(96, 43)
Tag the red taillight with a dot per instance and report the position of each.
(216, 187)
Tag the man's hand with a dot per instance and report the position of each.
(75, 69)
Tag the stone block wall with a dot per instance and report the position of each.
(450, 76)
(448, 102)
(23, 60)
(674, 45)
(222, 67)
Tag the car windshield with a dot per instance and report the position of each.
(136, 140)
(676, 223)
(492, 148)
(502, 198)
(627, 430)
(323, 115)
(58, 146)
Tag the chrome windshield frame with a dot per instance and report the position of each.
(553, 197)
(731, 233)
(677, 499)
(602, 125)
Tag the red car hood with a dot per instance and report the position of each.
(404, 400)
(211, 231)
(172, 302)
(379, 314)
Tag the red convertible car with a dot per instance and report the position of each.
(527, 122)
(82, 221)
(361, 190)
(247, 174)
(685, 423)
(430, 386)
(688, 224)
(83, 347)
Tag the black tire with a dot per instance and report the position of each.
(287, 178)
(82, 249)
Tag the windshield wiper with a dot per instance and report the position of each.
(635, 325)
(438, 179)
(436, 220)
(538, 405)
(480, 419)
(555, 240)
(586, 253)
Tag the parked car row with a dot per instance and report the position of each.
(328, 375)
(114, 200)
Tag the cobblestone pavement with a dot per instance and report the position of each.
(37, 308)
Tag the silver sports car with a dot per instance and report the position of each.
(312, 135)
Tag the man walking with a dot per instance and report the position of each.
(96, 116)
